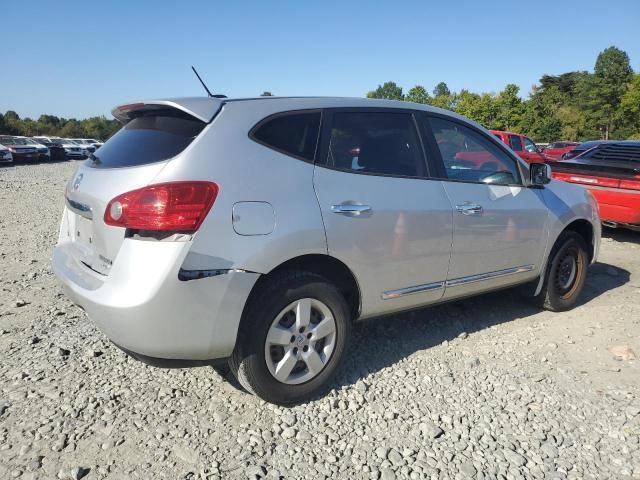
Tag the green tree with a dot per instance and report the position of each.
(441, 90)
(630, 106)
(388, 91)
(509, 108)
(604, 91)
(418, 94)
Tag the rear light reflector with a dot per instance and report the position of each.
(587, 180)
(630, 184)
(174, 206)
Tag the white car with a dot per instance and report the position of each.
(88, 142)
(5, 155)
(73, 149)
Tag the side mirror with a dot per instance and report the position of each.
(540, 173)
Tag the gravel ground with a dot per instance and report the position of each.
(484, 388)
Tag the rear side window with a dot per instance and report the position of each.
(294, 134)
(150, 138)
(529, 146)
(515, 143)
(375, 143)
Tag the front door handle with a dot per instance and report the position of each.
(469, 208)
(351, 209)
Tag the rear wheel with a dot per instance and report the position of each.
(566, 273)
(292, 338)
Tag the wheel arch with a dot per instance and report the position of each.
(328, 267)
(582, 227)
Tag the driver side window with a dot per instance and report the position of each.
(470, 157)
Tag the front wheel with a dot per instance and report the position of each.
(566, 273)
(292, 338)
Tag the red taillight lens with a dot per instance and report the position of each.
(176, 206)
(631, 184)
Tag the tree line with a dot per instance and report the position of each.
(577, 105)
(99, 128)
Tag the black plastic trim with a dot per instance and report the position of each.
(173, 362)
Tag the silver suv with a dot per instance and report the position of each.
(254, 232)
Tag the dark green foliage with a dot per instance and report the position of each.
(49, 125)
(388, 91)
(570, 106)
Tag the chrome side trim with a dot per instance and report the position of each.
(79, 208)
(411, 290)
(488, 275)
(455, 282)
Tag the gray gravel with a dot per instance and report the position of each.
(484, 388)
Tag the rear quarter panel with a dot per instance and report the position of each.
(249, 172)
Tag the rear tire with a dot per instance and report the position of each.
(565, 274)
(292, 338)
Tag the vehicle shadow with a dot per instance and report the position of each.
(621, 235)
(380, 343)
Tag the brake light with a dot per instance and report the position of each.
(175, 206)
(630, 184)
(587, 180)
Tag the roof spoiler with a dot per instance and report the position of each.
(202, 108)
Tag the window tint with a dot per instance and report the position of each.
(470, 157)
(147, 139)
(294, 134)
(529, 146)
(514, 143)
(378, 143)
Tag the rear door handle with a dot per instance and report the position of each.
(469, 208)
(350, 209)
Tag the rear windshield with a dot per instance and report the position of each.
(154, 137)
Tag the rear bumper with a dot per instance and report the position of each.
(145, 309)
(618, 206)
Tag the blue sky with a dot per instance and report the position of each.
(78, 59)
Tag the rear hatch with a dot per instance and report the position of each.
(155, 133)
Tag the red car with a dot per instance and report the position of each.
(611, 171)
(555, 150)
(521, 144)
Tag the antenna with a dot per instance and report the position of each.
(203, 84)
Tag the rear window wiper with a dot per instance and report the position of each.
(94, 159)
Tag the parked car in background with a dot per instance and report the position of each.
(44, 155)
(56, 149)
(20, 149)
(521, 144)
(6, 157)
(75, 150)
(555, 150)
(71, 149)
(89, 142)
(89, 147)
(581, 148)
(255, 240)
(611, 171)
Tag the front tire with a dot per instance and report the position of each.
(292, 338)
(565, 275)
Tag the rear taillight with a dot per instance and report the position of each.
(630, 184)
(175, 206)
